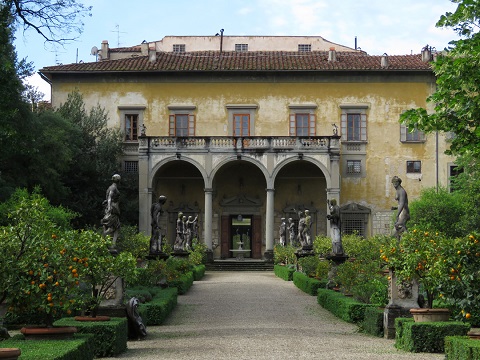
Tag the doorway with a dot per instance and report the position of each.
(241, 234)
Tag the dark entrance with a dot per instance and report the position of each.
(241, 234)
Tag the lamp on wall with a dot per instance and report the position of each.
(300, 156)
(240, 217)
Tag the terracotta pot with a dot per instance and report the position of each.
(474, 334)
(10, 353)
(427, 315)
(48, 333)
(91, 318)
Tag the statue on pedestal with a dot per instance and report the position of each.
(179, 240)
(403, 212)
(335, 227)
(111, 217)
(282, 232)
(291, 231)
(156, 212)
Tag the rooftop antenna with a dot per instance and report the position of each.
(355, 42)
(117, 27)
(221, 39)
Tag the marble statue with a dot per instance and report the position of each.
(180, 233)
(403, 212)
(335, 227)
(307, 235)
(283, 232)
(291, 231)
(156, 213)
(111, 217)
(301, 229)
(190, 231)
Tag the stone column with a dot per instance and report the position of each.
(144, 191)
(269, 221)
(208, 223)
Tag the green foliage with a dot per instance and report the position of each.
(79, 348)
(322, 270)
(307, 284)
(199, 272)
(284, 272)
(460, 285)
(156, 311)
(198, 254)
(308, 265)
(34, 271)
(284, 254)
(373, 322)
(461, 348)
(426, 336)
(110, 337)
(346, 308)
(130, 240)
(183, 283)
(438, 210)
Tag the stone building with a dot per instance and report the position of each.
(246, 130)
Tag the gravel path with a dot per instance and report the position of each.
(255, 315)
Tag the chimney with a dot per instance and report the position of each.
(427, 54)
(144, 48)
(152, 55)
(384, 61)
(332, 55)
(104, 50)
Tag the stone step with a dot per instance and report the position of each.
(235, 265)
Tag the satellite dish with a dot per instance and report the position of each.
(94, 51)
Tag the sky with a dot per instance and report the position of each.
(394, 27)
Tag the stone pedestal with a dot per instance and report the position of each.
(305, 251)
(402, 297)
(336, 260)
(159, 255)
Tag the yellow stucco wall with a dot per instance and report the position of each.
(386, 156)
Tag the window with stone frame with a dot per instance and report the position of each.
(181, 120)
(131, 121)
(354, 167)
(411, 136)
(354, 123)
(354, 219)
(241, 119)
(130, 167)
(302, 120)
(241, 124)
(414, 167)
(178, 48)
(241, 47)
(131, 127)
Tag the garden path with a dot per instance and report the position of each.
(256, 315)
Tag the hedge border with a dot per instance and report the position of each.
(372, 322)
(344, 307)
(159, 308)
(199, 272)
(426, 336)
(461, 348)
(308, 284)
(284, 272)
(110, 337)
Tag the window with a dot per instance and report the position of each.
(354, 219)
(413, 136)
(354, 123)
(241, 119)
(241, 47)
(302, 120)
(241, 124)
(354, 167)
(131, 121)
(414, 167)
(130, 167)
(179, 48)
(182, 125)
(304, 47)
(131, 127)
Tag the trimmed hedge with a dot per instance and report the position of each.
(373, 321)
(426, 336)
(183, 283)
(461, 348)
(308, 284)
(284, 272)
(81, 347)
(110, 337)
(344, 307)
(157, 310)
(198, 272)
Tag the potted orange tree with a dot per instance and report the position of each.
(34, 273)
(418, 256)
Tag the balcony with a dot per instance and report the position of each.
(248, 144)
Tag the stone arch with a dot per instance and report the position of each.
(229, 159)
(319, 164)
(169, 159)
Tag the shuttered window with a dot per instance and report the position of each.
(354, 127)
(302, 124)
(182, 125)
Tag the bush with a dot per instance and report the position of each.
(426, 336)
(198, 254)
(373, 321)
(284, 272)
(198, 272)
(284, 254)
(79, 348)
(157, 310)
(132, 241)
(308, 265)
(461, 348)
(110, 337)
(307, 284)
(346, 308)
(183, 283)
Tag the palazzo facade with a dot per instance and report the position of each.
(244, 131)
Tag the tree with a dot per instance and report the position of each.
(457, 104)
(57, 21)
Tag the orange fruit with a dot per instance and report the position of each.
(468, 315)
(30, 272)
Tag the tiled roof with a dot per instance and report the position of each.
(247, 61)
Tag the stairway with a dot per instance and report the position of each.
(236, 265)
